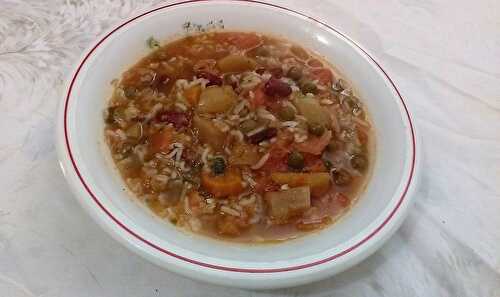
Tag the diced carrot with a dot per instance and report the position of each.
(323, 75)
(223, 185)
(192, 95)
(259, 97)
(314, 145)
(160, 141)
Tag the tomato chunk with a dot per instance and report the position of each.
(323, 75)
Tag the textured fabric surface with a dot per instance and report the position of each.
(442, 54)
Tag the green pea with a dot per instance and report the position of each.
(287, 113)
(130, 92)
(248, 126)
(308, 87)
(295, 73)
(316, 129)
(328, 164)
(153, 43)
(295, 160)
(218, 165)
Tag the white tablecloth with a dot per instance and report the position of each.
(444, 56)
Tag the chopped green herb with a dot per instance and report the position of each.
(296, 160)
(328, 164)
(153, 43)
(218, 165)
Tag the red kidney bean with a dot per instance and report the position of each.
(263, 135)
(277, 88)
(178, 119)
(213, 80)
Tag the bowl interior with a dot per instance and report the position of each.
(127, 45)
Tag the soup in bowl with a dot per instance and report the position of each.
(231, 124)
(239, 136)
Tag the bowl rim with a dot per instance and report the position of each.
(69, 154)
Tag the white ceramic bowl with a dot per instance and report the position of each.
(98, 187)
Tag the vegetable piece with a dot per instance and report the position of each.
(160, 141)
(314, 144)
(135, 131)
(259, 98)
(216, 99)
(323, 75)
(312, 111)
(244, 154)
(223, 185)
(276, 88)
(213, 80)
(218, 165)
(284, 205)
(208, 133)
(313, 163)
(153, 43)
(116, 114)
(248, 125)
(341, 177)
(316, 129)
(192, 95)
(263, 135)
(286, 113)
(178, 119)
(319, 182)
(295, 160)
(295, 73)
(277, 160)
(236, 63)
(359, 162)
(307, 86)
(130, 92)
(328, 164)
(130, 165)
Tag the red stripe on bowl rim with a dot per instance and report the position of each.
(219, 267)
